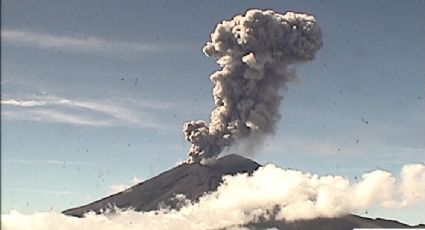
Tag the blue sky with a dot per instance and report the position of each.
(95, 93)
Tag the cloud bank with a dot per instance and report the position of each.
(271, 192)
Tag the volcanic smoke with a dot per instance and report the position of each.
(254, 51)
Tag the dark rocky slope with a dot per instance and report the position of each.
(192, 180)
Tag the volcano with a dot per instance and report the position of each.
(196, 179)
(192, 180)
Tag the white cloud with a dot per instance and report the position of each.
(51, 41)
(54, 115)
(28, 103)
(83, 112)
(79, 43)
(242, 198)
(116, 188)
(115, 111)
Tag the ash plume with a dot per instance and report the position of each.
(253, 51)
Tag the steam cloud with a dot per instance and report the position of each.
(269, 192)
(253, 51)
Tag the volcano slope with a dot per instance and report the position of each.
(194, 180)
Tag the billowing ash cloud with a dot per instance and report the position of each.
(253, 51)
(269, 193)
